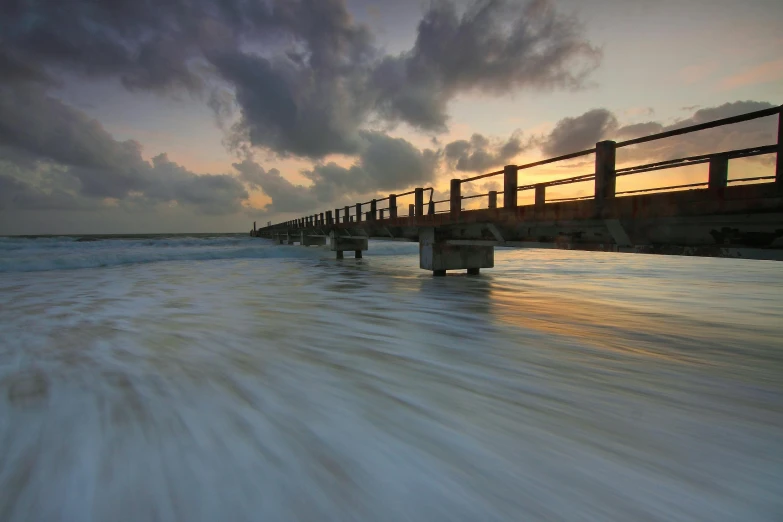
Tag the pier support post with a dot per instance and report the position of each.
(381, 211)
(436, 254)
(493, 199)
(392, 206)
(341, 244)
(347, 217)
(411, 210)
(373, 210)
(358, 212)
(605, 175)
(455, 203)
(719, 172)
(418, 200)
(779, 158)
(540, 196)
(510, 174)
(337, 216)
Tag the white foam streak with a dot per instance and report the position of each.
(281, 384)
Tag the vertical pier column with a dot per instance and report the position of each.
(510, 173)
(329, 221)
(540, 196)
(719, 172)
(493, 199)
(411, 210)
(347, 217)
(779, 159)
(605, 175)
(381, 211)
(337, 215)
(358, 212)
(373, 210)
(418, 200)
(455, 203)
(392, 206)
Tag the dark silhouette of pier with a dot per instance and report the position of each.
(741, 217)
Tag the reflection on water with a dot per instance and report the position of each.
(558, 386)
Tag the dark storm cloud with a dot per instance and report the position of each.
(582, 132)
(495, 46)
(481, 153)
(286, 196)
(307, 77)
(39, 132)
(579, 133)
(384, 165)
(15, 193)
(637, 130)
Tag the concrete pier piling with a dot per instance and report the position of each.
(439, 253)
(340, 244)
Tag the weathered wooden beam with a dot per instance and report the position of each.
(455, 203)
(493, 199)
(358, 212)
(540, 196)
(779, 159)
(373, 210)
(719, 172)
(418, 199)
(510, 173)
(392, 206)
(411, 210)
(605, 175)
(329, 221)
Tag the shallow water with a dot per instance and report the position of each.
(225, 378)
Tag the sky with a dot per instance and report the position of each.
(133, 116)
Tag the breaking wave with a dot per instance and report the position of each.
(19, 254)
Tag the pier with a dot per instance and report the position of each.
(741, 217)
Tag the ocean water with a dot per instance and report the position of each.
(226, 378)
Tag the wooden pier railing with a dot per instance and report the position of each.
(604, 176)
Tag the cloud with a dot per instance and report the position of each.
(385, 164)
(494, 47)
(728, 137)
(582, 132)
(578, 133)
(55, 152)
(306, 76)
(481, 153)
(286, 197)
(637, 130)
(759, 74)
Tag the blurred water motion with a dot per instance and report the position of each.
(276, 383)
